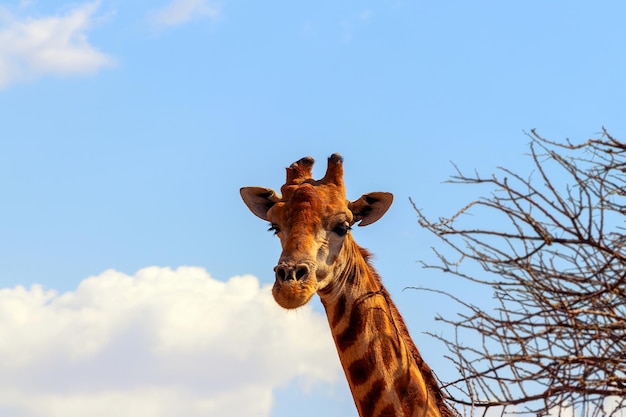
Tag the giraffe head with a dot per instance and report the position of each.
(312, 219)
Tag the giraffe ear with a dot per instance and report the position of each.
(259, 200)
(370, 207)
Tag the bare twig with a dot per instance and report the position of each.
(557, 337)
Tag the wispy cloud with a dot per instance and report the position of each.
(350, 26)
(31, 48)
(182, 11)
(26, 3)
(159, 343)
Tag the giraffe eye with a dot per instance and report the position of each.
(342, 228)
(274, 228)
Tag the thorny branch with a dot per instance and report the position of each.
(557, 269)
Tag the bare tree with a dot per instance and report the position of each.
(556, 338)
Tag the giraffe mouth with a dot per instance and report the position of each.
(292, 294)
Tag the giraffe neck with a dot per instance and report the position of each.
(385, 372)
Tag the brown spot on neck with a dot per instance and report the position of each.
(374, 344)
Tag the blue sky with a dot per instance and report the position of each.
(129, 127)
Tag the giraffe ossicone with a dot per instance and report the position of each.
(313, 220)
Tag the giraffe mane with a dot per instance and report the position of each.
(429, 376)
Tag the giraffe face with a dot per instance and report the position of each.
(312, 219)
(311, 226)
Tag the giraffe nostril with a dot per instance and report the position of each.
(281, 273)
(301, 272)
(291, 272)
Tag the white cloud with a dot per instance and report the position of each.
(182, 11)
(561, 411)
(30, 48)
(160, 343)
(614, 406)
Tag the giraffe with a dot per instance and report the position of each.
(313, 220)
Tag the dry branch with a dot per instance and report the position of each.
(557, 270)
